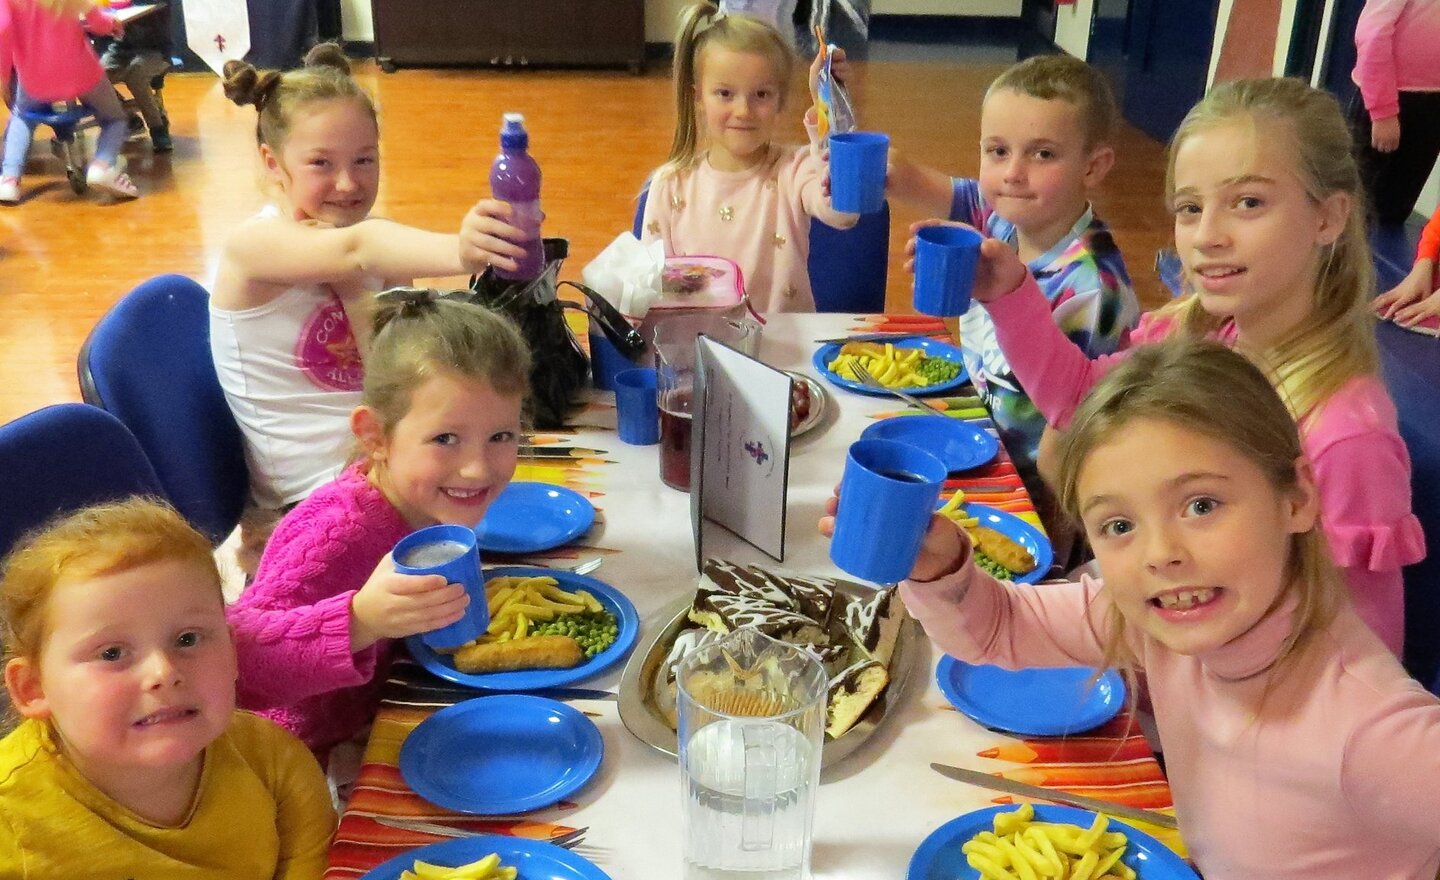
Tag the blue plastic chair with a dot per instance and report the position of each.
(65, 121)
(62, 458)
(148, 362)
(848, 268)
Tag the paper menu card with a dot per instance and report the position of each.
(739, 448)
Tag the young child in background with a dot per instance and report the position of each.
(1293, 739)
(1396, 113)
(728, 190)
(137, 58)
(132, 760)
(1269, 227)
(1045, 131)
(53, 61)
(295, 280)
(439, 429)
(1416, 299)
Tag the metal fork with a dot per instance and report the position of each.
(870, 381)
(587, 566)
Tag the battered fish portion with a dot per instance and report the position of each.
(1003, 550)
(532, 652)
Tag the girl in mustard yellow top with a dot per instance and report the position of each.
(131, 760)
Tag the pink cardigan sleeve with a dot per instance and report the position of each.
(1389, 766)
(1375, 57)
(1053, 370)
(292, 632)
(978, 619)
(100, 22)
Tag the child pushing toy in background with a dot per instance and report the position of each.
(1045, 132)
(727, 189)
(439, 431)
(51, 59)
(132, 760)
(295, 281)
(1415, 301)
(1269, 227)
(1296, 746)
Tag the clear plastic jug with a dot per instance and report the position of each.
(751, 721)
(674, 339)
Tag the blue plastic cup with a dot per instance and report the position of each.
(857, 171)
(945, 258)
(887, 496)
(448, 550)
(636, 406)
(606, 362)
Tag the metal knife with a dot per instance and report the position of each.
(1010, 786)
(566, 840)
(879, 337)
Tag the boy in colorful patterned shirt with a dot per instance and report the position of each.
(1044, 147)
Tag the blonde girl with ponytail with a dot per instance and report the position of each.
(727, 189)
(1293, 739)
(1269, 225)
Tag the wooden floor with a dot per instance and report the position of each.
(65, 259)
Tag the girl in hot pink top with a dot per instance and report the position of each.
(439, 429)
(1296, 746)
(54, 61)
(727, 190)
(1280, 270)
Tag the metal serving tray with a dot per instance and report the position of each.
(643, 717)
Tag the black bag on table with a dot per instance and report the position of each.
(560, 369)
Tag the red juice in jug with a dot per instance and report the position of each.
(675, 423)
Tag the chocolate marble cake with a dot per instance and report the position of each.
(851, 629)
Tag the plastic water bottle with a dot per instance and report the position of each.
(515, 178)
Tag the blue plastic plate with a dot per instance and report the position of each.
(1032, 702)
(931, 347)
(1019, 531)
(535, 859)
(956, 442)
(538, 679)
(939, 856)
(493, 756)
(529, 517)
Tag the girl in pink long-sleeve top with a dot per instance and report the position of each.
(1296, 745)
(53, 60)
(1270, 229)
(438, 427)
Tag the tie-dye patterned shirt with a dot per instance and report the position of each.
(1084, 278)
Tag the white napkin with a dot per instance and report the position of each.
(628, 273)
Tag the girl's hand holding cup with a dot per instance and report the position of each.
(942, 551)
(998, 269)
(392, 605)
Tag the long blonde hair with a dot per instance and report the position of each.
(64, 8)
(1208, 389)
(702, 26)
(1336, 340)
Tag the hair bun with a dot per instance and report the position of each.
(244, 84)
(328, 55)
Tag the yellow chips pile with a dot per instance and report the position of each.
(516, 602)
(954, 510)
(488, 868)
(893, 367)
(1022, 849)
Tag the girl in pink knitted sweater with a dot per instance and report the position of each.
(1296, 745)
(438, 430)
(1270, 228)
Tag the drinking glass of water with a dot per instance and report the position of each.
(448, 550)
(751, 721)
